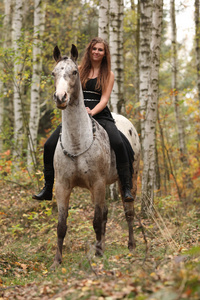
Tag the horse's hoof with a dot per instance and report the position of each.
(99, 253)
(55, 265)
(131, 247)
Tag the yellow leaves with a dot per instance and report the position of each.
(42, 86)
(117, 256)
(44, 272)
(191, 109)
(130, 255)
(64, 271)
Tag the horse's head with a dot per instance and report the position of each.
(66, 78)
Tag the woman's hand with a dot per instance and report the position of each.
(89, 111)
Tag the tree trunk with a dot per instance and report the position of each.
(39, 20)
(197, 29)
(76, 22)
(165, 165)
(149, 158)
(181, 135)
(16, 40)
(5, 36)
(137, 70)
(116, 49)
(144, 58)
(103, 27)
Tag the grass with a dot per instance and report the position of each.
(165, 264)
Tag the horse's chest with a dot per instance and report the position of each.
(88, 166)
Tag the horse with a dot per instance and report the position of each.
(83, 156)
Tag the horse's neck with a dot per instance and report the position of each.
(77, 132)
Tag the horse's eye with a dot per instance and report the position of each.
(53, 74)
(74, 72)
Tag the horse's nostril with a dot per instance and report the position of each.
(60, 98)
(64, 97)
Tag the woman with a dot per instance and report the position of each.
(97, 82)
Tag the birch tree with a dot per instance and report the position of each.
(103, 22)
(116, 49)
(197, 37)
(16, 39)
(5, 40)
(179, 123)
(39, 20)
(1, 111)
(75, 24)
(149, 141)
(144, 58)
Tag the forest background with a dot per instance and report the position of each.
(168, 183)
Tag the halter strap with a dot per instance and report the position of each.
(73, 156)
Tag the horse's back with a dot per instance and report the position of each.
(128, 129)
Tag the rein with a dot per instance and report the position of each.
(73, 156)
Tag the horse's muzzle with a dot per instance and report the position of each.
(61, 101)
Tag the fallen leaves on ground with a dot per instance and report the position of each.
(166, 267)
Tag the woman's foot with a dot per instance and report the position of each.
(45, 194)
(127, 195)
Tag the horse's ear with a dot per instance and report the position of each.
(74, 53)
(56, 54)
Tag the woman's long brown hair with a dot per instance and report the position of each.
(105, 68)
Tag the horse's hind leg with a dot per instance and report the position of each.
(129, 213)
(100, 220)
(63, 204)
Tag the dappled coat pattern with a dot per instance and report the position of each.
(83, 156)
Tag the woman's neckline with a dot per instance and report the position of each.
(92, 78)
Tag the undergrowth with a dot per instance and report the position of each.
(165, 264)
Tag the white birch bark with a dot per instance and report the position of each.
(75, 24)
(7, 22)
(116, 49)
(144, 59)
(39, 20)
(149, 141)
(103, 26)
(197, 38)
(1, 112)
(5, 38)
(16, 36)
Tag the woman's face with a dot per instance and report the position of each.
(97, 52)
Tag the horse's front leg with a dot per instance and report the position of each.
(100, 218)
(63, 204)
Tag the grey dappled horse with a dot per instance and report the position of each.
(83, 156)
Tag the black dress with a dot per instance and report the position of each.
(92, 97)
(119, 143)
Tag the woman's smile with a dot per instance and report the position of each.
(98, 51)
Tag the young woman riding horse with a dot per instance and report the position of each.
(97, 81)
